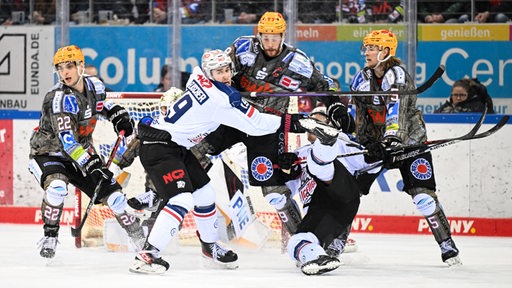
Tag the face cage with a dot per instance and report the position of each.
(78, 66)
(281, 45)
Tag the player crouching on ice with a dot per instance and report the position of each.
(328, 191)
(186, 118)
(61, 149)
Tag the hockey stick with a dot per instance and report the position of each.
(435, 76)
(438, 145)
(75, 232)
(431, 143)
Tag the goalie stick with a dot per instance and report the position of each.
(75, 231)
(435, 76)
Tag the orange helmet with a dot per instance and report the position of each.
(272, 23)
(67, 54)
(382, 39)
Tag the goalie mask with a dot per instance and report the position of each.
(215, 59)
(168, 98)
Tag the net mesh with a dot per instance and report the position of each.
(140, 105)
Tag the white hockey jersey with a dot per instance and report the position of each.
(205, 105)
(305, 185)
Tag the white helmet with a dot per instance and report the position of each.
(215, 59)
(169, 97)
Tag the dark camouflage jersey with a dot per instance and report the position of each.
(381, 116)
(68, 119)
(291, 70)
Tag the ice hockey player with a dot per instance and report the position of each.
(264, 62)
(328, 190)
(395, 121)
(61, 150)
(186, 118)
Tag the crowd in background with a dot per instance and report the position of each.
(123, 12)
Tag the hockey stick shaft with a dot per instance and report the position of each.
(75, 232)
(435, 76)
(466, 136)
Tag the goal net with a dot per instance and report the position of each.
(146, 104)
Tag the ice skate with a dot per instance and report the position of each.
(48, 245)
(149, 261)
(326, 134)
(450, 253)
(146, 201)
(322, 264)
(219, 255)
(350, 246)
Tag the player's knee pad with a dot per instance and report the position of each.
(183, 200)
(55, 192)
(117, 202)
(204, 196)
(425, 203)
(298, 242)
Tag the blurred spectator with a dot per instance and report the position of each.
(44, 12)
(5, 12)
(166, 79)
(382, 11)
(244, 12)
(354, 11)
(192, 11)
(317, 11)
(123, 11)
(442, 11)
(92, 71)
(467, 95)
(493, 11)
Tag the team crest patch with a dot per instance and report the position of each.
(421, 169)
(261, 168)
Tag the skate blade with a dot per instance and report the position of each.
(453, 262)
(142, 267)
(315, 269)
(210, 263)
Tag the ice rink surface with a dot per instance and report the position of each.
(381, 261)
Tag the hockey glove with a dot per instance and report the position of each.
(376, 152)
(393, 148)
(94, 167)
(287, 163)
(340, 118)
(121, 120)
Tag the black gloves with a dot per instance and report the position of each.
(385, 151)
(94, 166)
(121, 120)
(340, 118)
(287, 163)
(376, 152)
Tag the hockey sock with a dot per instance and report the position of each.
(306, 251)
(169, 219)
(206, 222)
